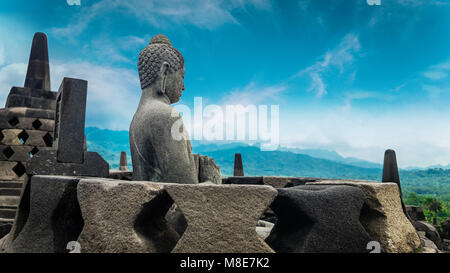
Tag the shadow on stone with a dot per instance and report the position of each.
(152, 227)
(67, 222)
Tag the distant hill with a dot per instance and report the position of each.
(285, 162)
(281, 163)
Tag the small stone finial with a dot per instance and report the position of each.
(390, 173)
(390, 169)
(123, 166)
(238, 167)
(38, 73)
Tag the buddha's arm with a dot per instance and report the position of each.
(174, 156)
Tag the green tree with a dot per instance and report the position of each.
(433, 206)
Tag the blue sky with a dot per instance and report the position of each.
(348, 77)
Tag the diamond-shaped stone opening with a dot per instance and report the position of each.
(23, 136)
(34, 151)
(19, 169)
(266, 223)
(8, 152)
(37, 124)
(13, 121)
(48, 139)
(162, 230)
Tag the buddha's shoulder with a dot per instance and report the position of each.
(160, 111)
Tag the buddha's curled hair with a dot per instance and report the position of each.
(151, 58)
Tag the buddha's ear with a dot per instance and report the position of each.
(164, 70)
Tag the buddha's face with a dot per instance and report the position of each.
(175, 85)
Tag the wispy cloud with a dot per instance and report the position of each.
(415, 3)
(338, 58)
(355, 95)
(434, 92)
(11, 75)
(159, 13)
(253, 94)
(116, 49)
(2, 55)
(438, 72)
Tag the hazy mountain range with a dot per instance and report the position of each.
(283, 162)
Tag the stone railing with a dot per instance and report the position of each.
(115, 216)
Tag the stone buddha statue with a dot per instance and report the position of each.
(156, 154)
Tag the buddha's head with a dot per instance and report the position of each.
(160, 63)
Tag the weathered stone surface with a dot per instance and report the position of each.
(11, 137)
(46, 163)
(208, 170)
(383, 217)
(9, 200)
(244, 180)
(4, 229)
(263, 228)
(318, 219)
(12, 170)
(121, 175)
(159, 143)
(430, 232)
(27, 123)
(426, 245)
(221, 218)
(274, 181)
(123, 166)
(38, 73)
(15, 153)
(54, 217)
(176, 219)
(285, 182)
(33, 92)
(21, 216)
(30, 102)
(415, 213)
(7, 113)
(446, 245)
(238, 166)
(69, 121)
(446, 229)
(122, 217)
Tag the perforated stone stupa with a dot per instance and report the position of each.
(26, 127)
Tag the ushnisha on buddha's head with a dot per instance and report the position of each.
(161, 69)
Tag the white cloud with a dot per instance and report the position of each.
(434, 92)
(435, 75)
(2, 55)
(11, 75)
(253, 94)
(438, 72)
(421, 137)
(159, 13)
(338, 58)
(113, 93)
